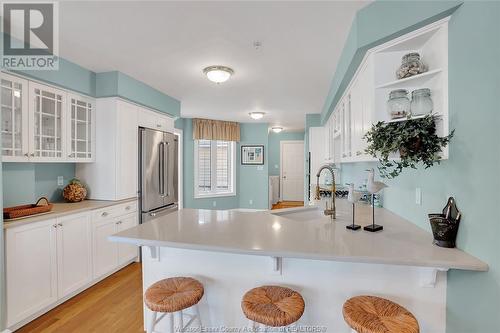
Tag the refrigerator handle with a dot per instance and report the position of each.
(161, 167)
(166, 163)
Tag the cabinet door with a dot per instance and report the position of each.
(31, 269)
(14, 119)
(80, 128)
(127, 252)
(127, 151)
(47, 123)
(73, 253)
(104, 252)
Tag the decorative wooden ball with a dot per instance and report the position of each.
(75, 191)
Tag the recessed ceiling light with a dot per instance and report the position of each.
(218, 74)
(277, 129)
(256, 115)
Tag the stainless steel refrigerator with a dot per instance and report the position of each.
(158, 172)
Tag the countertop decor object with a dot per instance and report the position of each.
(398, 104)
(445, 225)
(410, 65)
(353, 197)
(415, 140)
(75, 191)
(27, 210)
(373, 187)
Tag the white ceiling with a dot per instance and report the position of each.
(167, 44)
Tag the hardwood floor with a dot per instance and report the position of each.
(112, 305)
(288, 204)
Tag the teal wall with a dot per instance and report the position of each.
(274, 148)
(251, 183)
(471, 173)
(119, 84)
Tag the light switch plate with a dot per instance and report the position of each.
(60, 180)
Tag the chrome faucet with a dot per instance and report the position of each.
(332, 210)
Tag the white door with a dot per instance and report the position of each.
(292, 170)
(31, 268)
(74, 252)
(105, 252)
(127, 252)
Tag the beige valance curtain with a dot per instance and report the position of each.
(206, 129)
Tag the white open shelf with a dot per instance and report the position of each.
(413, 80)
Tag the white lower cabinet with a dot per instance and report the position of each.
(109, 255)
(31, 269)
(49, 261)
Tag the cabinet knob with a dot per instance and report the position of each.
(54, 225)
(104, 214)
(158, 125)
(59, 225)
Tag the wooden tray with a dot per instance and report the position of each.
(27, 210)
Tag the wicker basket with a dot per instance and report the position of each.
(27, 210)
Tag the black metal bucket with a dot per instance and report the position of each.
(445, 226)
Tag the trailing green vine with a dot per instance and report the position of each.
(415, 140)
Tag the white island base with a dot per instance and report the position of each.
(325, 286)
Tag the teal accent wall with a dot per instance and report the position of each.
(26, 182)
(275, 149)
(119, 84)
(251, 183)
(471, 173)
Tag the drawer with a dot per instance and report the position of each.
(114, 211)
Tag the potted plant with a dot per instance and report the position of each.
(415, 140)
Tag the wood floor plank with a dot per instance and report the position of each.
(112, 305)
(288, 204)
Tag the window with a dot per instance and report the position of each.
(214, 168)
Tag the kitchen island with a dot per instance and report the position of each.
(231, 252)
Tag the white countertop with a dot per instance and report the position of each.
(313, 237)
(61, 209)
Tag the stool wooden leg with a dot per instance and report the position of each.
(152, 321)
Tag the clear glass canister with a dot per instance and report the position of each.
(421, 102)
(410, 65)
(398, 105)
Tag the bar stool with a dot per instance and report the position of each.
(370, 314)
(173, 295)
(272, 306)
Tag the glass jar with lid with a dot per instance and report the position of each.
(421, 102)
(398, 105)
(410, 65)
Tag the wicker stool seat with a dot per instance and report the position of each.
(173, 294)
(273, 306)
(370, 314)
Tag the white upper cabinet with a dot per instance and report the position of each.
(47, 130)
(14, 118)
(41, 123)
(81, 128)
(364, 101)
(155, 120)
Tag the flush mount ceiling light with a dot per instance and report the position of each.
(218, 74)
(256, 115)
(277, 129)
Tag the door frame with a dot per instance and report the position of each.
(281, 164)
(180, 181)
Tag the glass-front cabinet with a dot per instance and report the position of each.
(41, 123)
(47, 131)
(14, 101)
(80, 128)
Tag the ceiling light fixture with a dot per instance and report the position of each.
(256, 115)
(218, 74)
(277, 129)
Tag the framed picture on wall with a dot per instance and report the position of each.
(252, 155)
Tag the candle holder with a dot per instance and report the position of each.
(373, 227)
